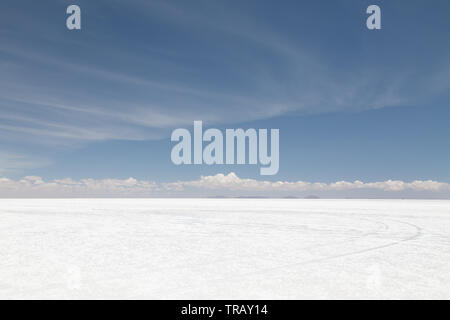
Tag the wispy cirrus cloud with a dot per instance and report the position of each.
(15, 163)
(221, 65)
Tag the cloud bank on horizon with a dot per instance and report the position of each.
(220, 185)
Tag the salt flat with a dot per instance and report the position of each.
(224, 248)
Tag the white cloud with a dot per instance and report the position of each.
(219, 185)
(32, 186)
(233, 182)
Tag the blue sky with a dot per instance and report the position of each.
(350, 103)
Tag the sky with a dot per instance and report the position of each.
(90, 112)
